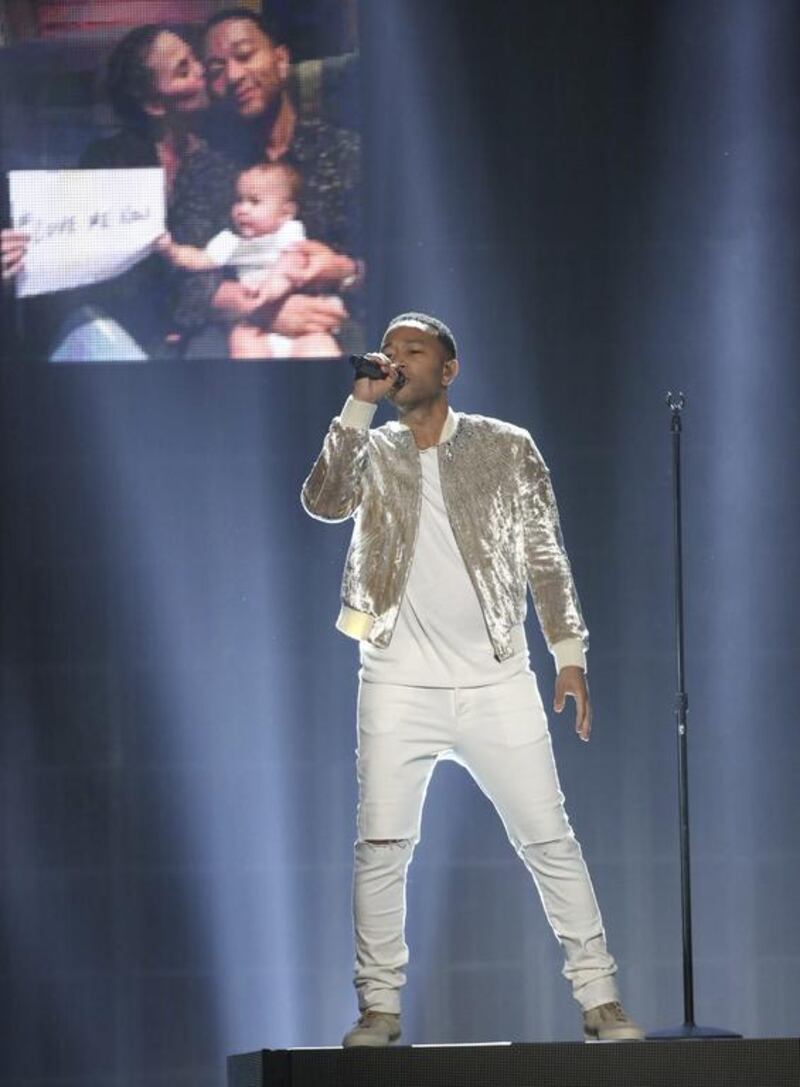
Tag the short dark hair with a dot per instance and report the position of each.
(269, 23)
(437, 327)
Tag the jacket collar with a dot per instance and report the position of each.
(448, 430)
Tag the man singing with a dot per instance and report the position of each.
(454, 517)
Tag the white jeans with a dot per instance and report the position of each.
(499, 733)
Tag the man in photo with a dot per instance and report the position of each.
(254, 120)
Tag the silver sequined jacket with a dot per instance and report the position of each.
(501, 507)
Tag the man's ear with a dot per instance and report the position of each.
(450, 371)
(284, 61)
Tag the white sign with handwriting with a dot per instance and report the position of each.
(84, 225)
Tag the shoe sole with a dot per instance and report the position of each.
(369, 1045)
(591, 1038)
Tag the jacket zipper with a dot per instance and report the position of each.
(416, 535)
(461, 553)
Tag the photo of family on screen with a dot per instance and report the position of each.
(182, 180)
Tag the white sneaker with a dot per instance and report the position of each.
(373, 1029)
(610, 1023)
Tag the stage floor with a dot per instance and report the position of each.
(764, 1062)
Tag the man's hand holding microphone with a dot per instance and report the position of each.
(386, 377)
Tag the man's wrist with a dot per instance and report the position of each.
(357, 414)
(569, 652)
(352, 273)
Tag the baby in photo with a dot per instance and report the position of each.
(260, 248)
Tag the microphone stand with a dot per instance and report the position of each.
(689, 1029)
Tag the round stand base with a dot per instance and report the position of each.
(689, 1031)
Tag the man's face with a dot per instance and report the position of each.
(263, 203)
(177, 77)
(422, 358)
(243, 67)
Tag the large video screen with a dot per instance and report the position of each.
(182, 179)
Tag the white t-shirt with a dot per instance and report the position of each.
(252, 257)
(440, 639)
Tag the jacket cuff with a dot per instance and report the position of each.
(357, 414)
(355, 624)
(569, 651)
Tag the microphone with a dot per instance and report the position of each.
(365, 367)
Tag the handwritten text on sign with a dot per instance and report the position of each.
(84, 225)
